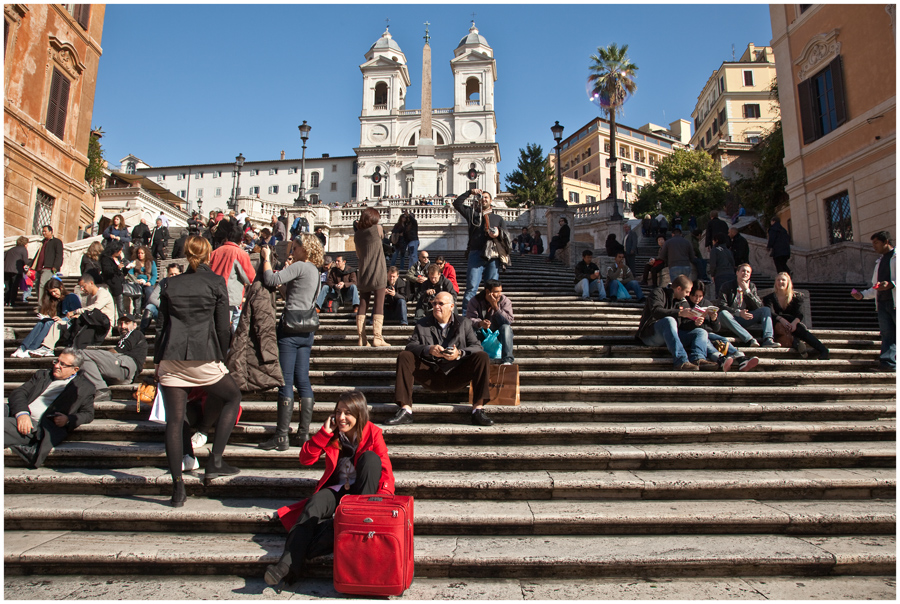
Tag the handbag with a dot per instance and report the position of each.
(491, 343)
(132, 290)
(158, 412)
(295, 322)
(145, 393)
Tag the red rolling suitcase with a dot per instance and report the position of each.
(373, 545)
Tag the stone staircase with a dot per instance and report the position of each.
(614, 466)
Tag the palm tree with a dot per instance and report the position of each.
(612, 77)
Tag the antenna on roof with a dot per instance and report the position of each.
(732, 53)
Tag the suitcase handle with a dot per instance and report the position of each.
(376, 498)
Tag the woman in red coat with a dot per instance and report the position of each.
(356, 463)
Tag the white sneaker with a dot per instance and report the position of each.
(189, 463)
(19, 353)
(43, 351)
(198, 439)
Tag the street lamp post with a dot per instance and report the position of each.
(304, 134)
(557, 136)
(612, 194)
(238, 163)
(624, 194)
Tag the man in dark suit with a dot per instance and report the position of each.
(779, 245)
(715, 226)
(442, 354)
(44, 410)
(48, 260)
(140, 235)
(159, 239)
(740, 249)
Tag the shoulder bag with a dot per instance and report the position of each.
(296, 322)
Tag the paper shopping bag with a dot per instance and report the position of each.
(503, 385)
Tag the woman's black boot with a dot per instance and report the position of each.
(179, 495)
(275, 573)
(216, 466)
(306, 413)
(282, 426)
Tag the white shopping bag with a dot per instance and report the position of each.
(158, 412)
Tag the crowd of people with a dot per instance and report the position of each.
(218, 333)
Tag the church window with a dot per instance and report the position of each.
(412, 140)
(440, 139)
(381, 92)
(473, 90)
(314, 179)
(130, 169)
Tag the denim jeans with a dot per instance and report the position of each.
(685, 344)
(761, 316)
(584, 290)
(348, 291)
(396, 313)
(33, 340)
(713, 352)
(500, 324)
(887, 324)
(477, 267)
(619, 291)
(235, 317)
(294, 352)
(674, 271)
(402, 252)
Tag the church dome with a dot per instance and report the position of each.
(385, 42)
(473, 38)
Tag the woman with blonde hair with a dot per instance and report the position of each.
(300, 288)
(194, 338)
(371, 275)
(787, 316)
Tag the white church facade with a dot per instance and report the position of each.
(464, 135)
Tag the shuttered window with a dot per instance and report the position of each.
(821, 100)
(83, 14)
(58, 104)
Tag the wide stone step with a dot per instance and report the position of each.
(462, 556)
(569, 433)
(451, 517)
(297, 482)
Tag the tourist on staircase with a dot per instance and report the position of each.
(395, 297)
(151, 309)
(654, 266)
(159, 239)
(233, 264)
(14, 261)
(786, 307)
(561, 239)
(524, 242)
(491, 310)
(442, 354)
(716, 226)
(342, 280)
(741, 307)
(52, 311)
(448, 271)
(143, 272)
(113, 269)
(668, 321)
(356, 463)
(48, 260)
(399, 243)
(631, 249)
(740, 248)
(678, 254)
(718, 350)
(140, 235)
(90, 262)
(434, 284)
(417, 273)
(104, 368)
(721, 262)
(117, 231)
(884, 290)
(779, 245)
(587, 278)
(300, 280)
(620, 281)
(44, 410)
(613, 246)
(91, 323)
(483, 226)
(371, 276)
(190, 349)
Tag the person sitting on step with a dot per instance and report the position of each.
(151, 310)
(742, 307)
(56, 303)
(447, 270)
(395, 297)
(668, 321)
(92, 321)
(620, 281)
(433, 285)
(342, 280)
(44, 410)
(103, 368)
(587, 278)
(442, 354)
(786, 307)
(678, 254)
(356, 463)
(561, 239)
(718, 350)
(490, 309)
(325, 292)
(417, 273)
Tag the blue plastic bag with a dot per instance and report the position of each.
(491, 343)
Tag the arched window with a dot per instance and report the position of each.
(314, 180)
(473, 91)
(381, 95)
(130, 169)
(440, 139)
(412, 140)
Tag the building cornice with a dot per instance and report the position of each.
(75, 27)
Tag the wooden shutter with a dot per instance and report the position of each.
(807, 111)
(57, 106)
(83, 14)
(837, 81)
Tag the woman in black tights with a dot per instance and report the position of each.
(193, 341)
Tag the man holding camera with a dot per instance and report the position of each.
(483, 225)
(442, 354)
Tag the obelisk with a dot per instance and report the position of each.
(425, 168)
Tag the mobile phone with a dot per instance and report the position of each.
(450, 349)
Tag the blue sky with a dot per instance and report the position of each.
(185, 84)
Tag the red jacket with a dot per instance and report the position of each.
(450, 273)
(372, 440)
(222, 261)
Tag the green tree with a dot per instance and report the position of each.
(533, 180)
(689, 182)
(93, 174)
(764, 191)
(612, 79)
